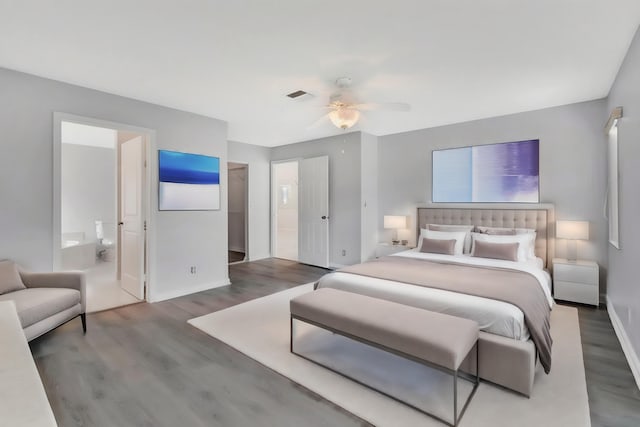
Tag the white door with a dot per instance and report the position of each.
(132, 233)
(313, 211)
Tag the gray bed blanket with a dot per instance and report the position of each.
(514, 287)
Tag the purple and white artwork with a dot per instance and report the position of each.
(507, 172)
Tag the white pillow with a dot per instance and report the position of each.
(445, 235)
(449, 227)
(524, 241)
(532, 247)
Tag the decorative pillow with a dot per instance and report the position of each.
(437, 246)
(503, 231)
(10, 279)
(506, 251)
(496, 231)
(447, 227)
(524, 242)
(446, 235)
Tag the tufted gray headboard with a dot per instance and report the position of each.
(540, 217)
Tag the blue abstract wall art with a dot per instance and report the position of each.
(188, 181)
(507, 172)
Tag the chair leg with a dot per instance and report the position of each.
(83, 317)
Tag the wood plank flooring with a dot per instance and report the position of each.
(143, 365)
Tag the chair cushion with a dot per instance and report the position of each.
(9, 277)
(36, 304)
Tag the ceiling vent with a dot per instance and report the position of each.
(299, 94)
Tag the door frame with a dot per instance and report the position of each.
(246, 209)
(274, 204)
(150, 138)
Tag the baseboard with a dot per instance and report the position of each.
(258, 257)
(627, 347)
(182, 292)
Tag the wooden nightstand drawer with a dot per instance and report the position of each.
(575, 273)
(576, 292)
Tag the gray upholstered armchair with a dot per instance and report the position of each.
(43, 301)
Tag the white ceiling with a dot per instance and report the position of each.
(453, 61)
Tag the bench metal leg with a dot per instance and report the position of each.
(456, 418)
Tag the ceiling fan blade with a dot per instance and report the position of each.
(388, 106)
(320, 122)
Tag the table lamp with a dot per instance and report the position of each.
(572, 231)
(395, 222)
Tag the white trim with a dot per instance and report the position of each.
(150, 176)
(627, 347)
(182, 292)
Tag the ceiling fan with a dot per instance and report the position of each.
(345, 109)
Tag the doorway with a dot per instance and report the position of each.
(237, 199)
(284, 195)
(101, 208)
(300, 210)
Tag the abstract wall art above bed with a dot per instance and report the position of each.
(506, 172)
(188, 181)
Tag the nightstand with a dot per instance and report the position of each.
(384, 249)
(576, 281)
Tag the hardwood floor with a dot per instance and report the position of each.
(143, 365)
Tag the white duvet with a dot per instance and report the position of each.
(493, 316)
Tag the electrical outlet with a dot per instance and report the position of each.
(344, 252)
(193, 269)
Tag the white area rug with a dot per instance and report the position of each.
(260, 329)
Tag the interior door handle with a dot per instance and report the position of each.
(121, 223)
(324, 217)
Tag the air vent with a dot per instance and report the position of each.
(297, 94)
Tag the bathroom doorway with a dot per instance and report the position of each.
(284, 202)
(102, 209)
(237, 198)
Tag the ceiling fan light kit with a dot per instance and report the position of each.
(344, 118)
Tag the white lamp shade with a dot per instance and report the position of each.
(573, 230)
(395, 221)
(344, 118)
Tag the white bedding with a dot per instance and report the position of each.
(493, 316)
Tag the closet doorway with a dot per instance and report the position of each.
(238, 197)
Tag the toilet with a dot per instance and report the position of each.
(105, 248)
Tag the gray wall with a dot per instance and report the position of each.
(182, 239)
(623, 284)
(259, 161)
(572, 168)
(369, 190)
(344, 190)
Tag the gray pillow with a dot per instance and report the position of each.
(448, 227)
(10, 279)
(437, 246)
(496, 231)
(506, 251)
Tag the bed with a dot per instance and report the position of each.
(508, 354)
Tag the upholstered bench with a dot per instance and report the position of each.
(434, 339)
